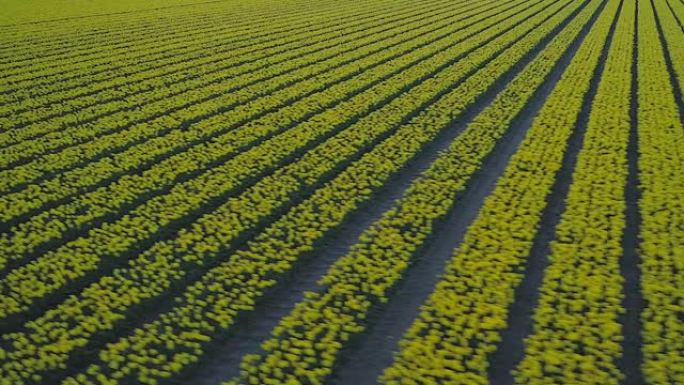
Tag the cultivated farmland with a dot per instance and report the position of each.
(342, 192)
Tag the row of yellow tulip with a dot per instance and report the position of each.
(146, 153)
(677, 10)
(305, 345)
(49, 36)
(460, 324)
(99, 307)
(41, 69)
(165, 346)
(661, 205)
(672, 35)
(33, 56)
(577, 332)
(41, 109)
(109, 92)
(354, 78)
(74, 259)
(258, 77)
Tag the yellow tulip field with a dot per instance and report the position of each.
(299, 192)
